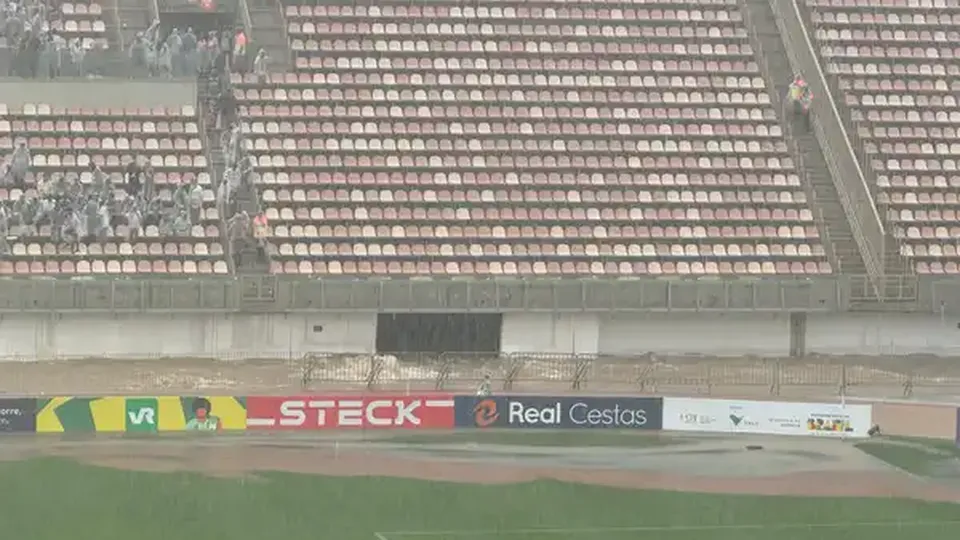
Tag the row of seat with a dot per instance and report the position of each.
(917, 85)
(745, 118)
(349, 180)
(902, 100)
(492, 269)
(120, 232)
(138, 249)
(542, 146)
(379, 160)
(531, 197)
(79, 268)
(716, 23)
(904, 20)
(946, 215)
(72, 8)
(160, 178)
(108, 143)
(511, 233)
(103, 113)
(412, 215)
(550, 251)
(59, 160)
(104, 127)
(937, 182)
(931, 250)
(618, 54)
(522, 10)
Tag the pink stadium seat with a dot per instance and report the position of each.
(900, 93)
(566, 157)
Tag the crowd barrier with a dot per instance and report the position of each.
(146, 414)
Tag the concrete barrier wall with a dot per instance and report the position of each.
(917, 420)
(97, 93)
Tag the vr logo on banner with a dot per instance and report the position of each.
(561, 412)
(141, 415)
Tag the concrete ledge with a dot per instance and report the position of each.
(97, 93)
(917, 420)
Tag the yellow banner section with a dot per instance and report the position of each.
(141, 414)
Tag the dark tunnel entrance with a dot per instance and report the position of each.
(438, 332)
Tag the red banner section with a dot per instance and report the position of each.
(303, 413)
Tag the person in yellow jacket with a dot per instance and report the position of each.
(801, 97)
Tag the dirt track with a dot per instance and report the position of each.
(786, 465)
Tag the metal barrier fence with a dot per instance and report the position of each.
(887, 377)
(902, 377)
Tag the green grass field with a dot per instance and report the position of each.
(57, 499)
(923, 457)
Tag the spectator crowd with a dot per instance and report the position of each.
(73, 209)
(31, 29)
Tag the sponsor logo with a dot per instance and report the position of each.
(530, 412)
(313, 413)
(578, 414)
(485, 414)
(738, 418)
(833, 423)
(694, 419)
(141, 415)
(780, 418)
(17, 415)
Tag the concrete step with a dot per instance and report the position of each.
(822, 194)
(265, 18)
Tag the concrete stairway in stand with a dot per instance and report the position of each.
(270, 33)
(898, 287)
(821, 191)
(123, 23)
(247, 259)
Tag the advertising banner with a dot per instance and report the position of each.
(18, 415)
(306, 413)
(140, 414)
(766, 417)
(532, 412)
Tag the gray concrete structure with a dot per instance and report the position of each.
(267, 316)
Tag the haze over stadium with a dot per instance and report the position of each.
(270, 214)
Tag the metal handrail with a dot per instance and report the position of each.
(247, 26)
(866, 225)
(836, 112)
(116, 17)
(787, 127)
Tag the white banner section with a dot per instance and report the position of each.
(766, 417)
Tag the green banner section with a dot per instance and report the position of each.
(142, 415)
(118, 414)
